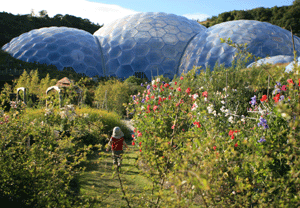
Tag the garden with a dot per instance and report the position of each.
(227, 137)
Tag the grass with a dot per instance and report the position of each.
(100, 179)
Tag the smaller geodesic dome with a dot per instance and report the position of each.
(148, 44)
(272, 60)
(59, 46)
(263, 39)
(291, 66)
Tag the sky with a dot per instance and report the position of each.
(105, 11)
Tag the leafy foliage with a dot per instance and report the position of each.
(285, 16)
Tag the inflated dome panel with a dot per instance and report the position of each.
(150, 43)
(263, 39)
(60, 46)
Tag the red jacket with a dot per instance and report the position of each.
(117, 144)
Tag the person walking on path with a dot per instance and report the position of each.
(116, 143)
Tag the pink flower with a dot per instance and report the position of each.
(173, 127)
(181, 78)
(155, 107)
(215, 147)
(179, 89)
(204, 94)
(139, 134)
(290, 81)
(283, 88)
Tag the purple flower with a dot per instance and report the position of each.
(148, 87)
(281, 98)
(163, 82)
(262, 140)
(143, 100)
(263, 122)
(142, 84)
(253, 100)
(133, 97)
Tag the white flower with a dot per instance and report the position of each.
(142, 108)
(230, 119)
(153, 82)
(210, 108)
(194, 96)
(222, 109)
(205, 99)
(214, 112)
(223, 102)
(195, 106)
(158, 80)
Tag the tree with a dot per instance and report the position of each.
(43, 13)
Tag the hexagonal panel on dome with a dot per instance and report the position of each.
(146, 40)
(263, 39)
(59, 46)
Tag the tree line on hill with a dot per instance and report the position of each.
(15, 25)
(287, 17)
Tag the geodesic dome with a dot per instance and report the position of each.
(289, 68)
(146, 44)
(60, 46)
(272, 60)
(263, 39)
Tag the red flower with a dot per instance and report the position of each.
(299, 82)
(139, 134)
(147, 98)
(140, 143)
(154, 86)
(204, 94)
(179, 89)
(197, 123)
(171, 88)
(152, 97)
(276, 98)
(215, 147)
(154, 108)
(232, 137)
(140, 150)
(181, 78)
(133, 143)
(290, 81)
(173, 127)
(132, 135)
(175, 83)
(230, 132)
(188, 90)
(264, 97)
(236, 144)
(166, 85)
(169, 97)
(134, 130)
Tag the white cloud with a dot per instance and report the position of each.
(196, 16)
(95, 12)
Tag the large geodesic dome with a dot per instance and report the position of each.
(59, 46)
(263, 39)
(146, 44)
(272, 60)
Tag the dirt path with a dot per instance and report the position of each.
(128, 123)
